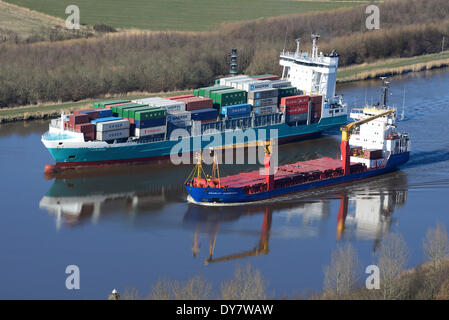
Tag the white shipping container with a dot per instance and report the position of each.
(112, 135)
(257, 85)
(113, 125)
(236, 83)
(241, 84)
(179, 116)
(143, 132)
(223, 80)
(263, 102)
(147, 100)
(280, 83)
(170, 106)
(265, 110)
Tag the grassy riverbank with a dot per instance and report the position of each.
(394, 67)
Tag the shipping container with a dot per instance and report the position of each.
(147, 101)
(180, 97)
(302, 108)
(75, 119)
(89, 136)
(205, 92)
(113, 125)
(316, 99)
(118, 109)
(171, 106)
(271, 78)
(373, 154)
(281, 84)
(263, 102)
(294, 100)
(144, 132)
(103, 104)
(265, 110)
(286, 92)
(129, 113)
(197, 103)
(157, 122)
(116, 105)
(85, 127)
(95, 121)
(229, 97)
(112, 134)
(104, 113)
(263, 94)
(236, 109)
(257, 85)
(179, 116)
(205, 114)
(151, 113)
(238, 116)
(224, 80)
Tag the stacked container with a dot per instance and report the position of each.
(205, 92)
(264, 98)
(196, 103)
(236, 111)
(280, 84)
(87, 129)
(75, 119)
(111, 128)
(104, 104)
(227, 80)
(295, 108)
(181, 97)
(228, 98)
(205, 115)
(150, 122)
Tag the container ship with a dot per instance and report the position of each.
(370, 146)
(300, 103)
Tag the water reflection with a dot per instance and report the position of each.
(361, 211)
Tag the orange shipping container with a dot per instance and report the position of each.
(295, 109)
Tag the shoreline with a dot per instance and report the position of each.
(363, 72)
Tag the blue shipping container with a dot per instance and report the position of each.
(104, 113)
(95, 121)
(204, 114)
(241, 115)
(149, 123)
(236, 109)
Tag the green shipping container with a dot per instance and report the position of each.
(262, 75)
(287, 92)
(153, 113)
(119, 109)
(206, 92)
(228, 97)
(196, 92)
(102, 104)
(129, 113)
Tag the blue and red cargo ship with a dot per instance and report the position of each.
(359, 160)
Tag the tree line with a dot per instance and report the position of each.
(120, 62)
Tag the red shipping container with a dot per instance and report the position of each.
(294, 100)
(181, 97)
(92, 113)
(89, 136)
(75, 119)
(85, 127)
(272, 78)
(197, 103)
(303, 108)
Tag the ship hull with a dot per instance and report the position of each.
(86, 154)
(237, 195)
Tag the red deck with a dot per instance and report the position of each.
(300, 167)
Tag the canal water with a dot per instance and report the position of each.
(128, 227)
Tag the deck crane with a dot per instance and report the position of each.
(348, 130)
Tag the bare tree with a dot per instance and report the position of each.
(247, 284)
(392, 261)
(436, 245)
(341, 276)
(196, 288)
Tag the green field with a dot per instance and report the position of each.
(184, 15)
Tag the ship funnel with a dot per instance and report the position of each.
(315, 38)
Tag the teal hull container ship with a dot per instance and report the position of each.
(73, 144)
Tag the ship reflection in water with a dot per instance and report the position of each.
(360, 211)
